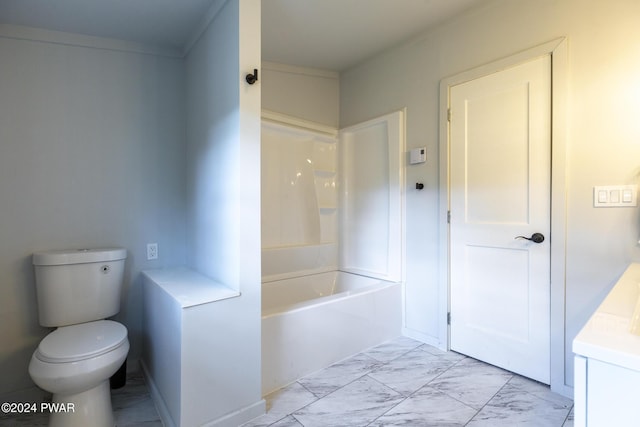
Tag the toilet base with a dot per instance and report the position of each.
(88, 408)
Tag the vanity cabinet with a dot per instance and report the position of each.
(607, 359)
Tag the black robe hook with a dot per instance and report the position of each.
(252, 78)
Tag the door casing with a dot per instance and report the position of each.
(558, 50)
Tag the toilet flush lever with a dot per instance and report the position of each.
(535, 238)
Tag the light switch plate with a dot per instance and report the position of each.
(614, 196)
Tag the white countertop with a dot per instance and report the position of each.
(606, 336)
(189, 287)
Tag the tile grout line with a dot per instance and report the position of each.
(567, 417)
(379, 365)
(404, 398)
(423, 386)
(464, 357)
(492, 397)
(330, 393)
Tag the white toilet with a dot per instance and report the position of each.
(77, 290)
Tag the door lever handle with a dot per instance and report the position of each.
(535, 238)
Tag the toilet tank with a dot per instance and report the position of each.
(77, 286)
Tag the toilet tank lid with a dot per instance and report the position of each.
(78, 256)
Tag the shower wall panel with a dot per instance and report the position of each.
(299, 199)
(372, 205)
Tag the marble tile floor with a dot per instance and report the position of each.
(399, 383)
(406, 383)
(132, 407)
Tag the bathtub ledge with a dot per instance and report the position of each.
(188, 287)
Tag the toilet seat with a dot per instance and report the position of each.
(80, 342)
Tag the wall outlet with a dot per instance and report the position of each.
(152, 251)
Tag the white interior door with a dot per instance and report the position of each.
(500, 141)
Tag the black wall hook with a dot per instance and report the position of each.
(252, 78)
(419, 186)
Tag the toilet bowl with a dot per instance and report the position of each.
(75, 363)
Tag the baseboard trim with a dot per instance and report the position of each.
(427, 339)
(240, 416)
(163, 411)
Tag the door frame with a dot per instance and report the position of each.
(557, 49)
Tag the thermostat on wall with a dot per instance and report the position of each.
(418, 155)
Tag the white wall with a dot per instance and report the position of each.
(304, 93)
(603, 148)
(223, 199)
(91, 155)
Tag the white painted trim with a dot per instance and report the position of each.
(161, 406)
(559, 146)
(559, 67)
(292, 69)
(233, 419)
(241, 416)
(422, 337)
(284, 119)
(18, 32)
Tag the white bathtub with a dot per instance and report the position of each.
(310, 322)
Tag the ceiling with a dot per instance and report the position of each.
(327, 34)
(166, 23)
(337, 34)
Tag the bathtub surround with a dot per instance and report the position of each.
(327, 211)
(286, 262)
(298, 185)
(331, 200)
(326, 208)
(299, 197)
(372, 209)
